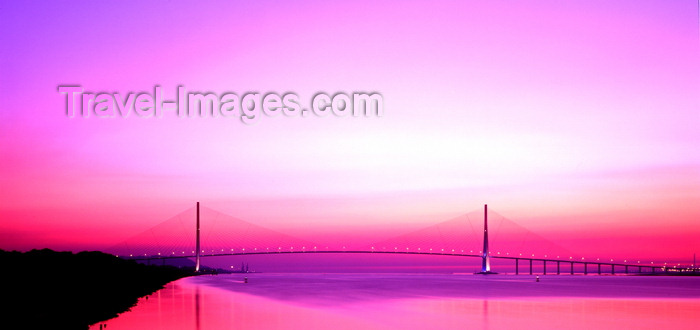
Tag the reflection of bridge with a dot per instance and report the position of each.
(557, 265)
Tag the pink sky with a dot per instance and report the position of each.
(578, 119)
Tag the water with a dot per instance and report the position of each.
(392, 301)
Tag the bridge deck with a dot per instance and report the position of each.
(571, 263)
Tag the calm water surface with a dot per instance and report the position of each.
(411, 301)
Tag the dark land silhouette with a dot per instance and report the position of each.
(64, 290)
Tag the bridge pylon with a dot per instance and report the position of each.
(485, 258)
(198, 250)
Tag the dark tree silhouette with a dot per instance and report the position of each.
(63, 290)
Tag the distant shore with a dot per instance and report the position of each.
(65, 290)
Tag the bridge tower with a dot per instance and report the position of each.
(485, 258)
(198, 251)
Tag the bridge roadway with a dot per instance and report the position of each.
(622, 268)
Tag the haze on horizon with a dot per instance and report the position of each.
(577, 120)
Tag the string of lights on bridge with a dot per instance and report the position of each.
(428, 251)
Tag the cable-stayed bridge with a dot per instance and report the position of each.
(203, 232)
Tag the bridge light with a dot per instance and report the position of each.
(406, 249)
(158, 253)
(131, 255)
(443, 250)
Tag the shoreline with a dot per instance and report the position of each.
(45, 288)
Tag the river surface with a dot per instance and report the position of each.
(417, 301)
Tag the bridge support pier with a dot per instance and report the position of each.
(530, 266)
(585, 268)
(599, 272)
(627, 269)
(612, 270)
(640, 269)
(558, 262)
(572, 268)
(516, 266)
(544, 267)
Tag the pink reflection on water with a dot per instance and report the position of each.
(216, 302)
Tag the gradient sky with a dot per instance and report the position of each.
(577, 119)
